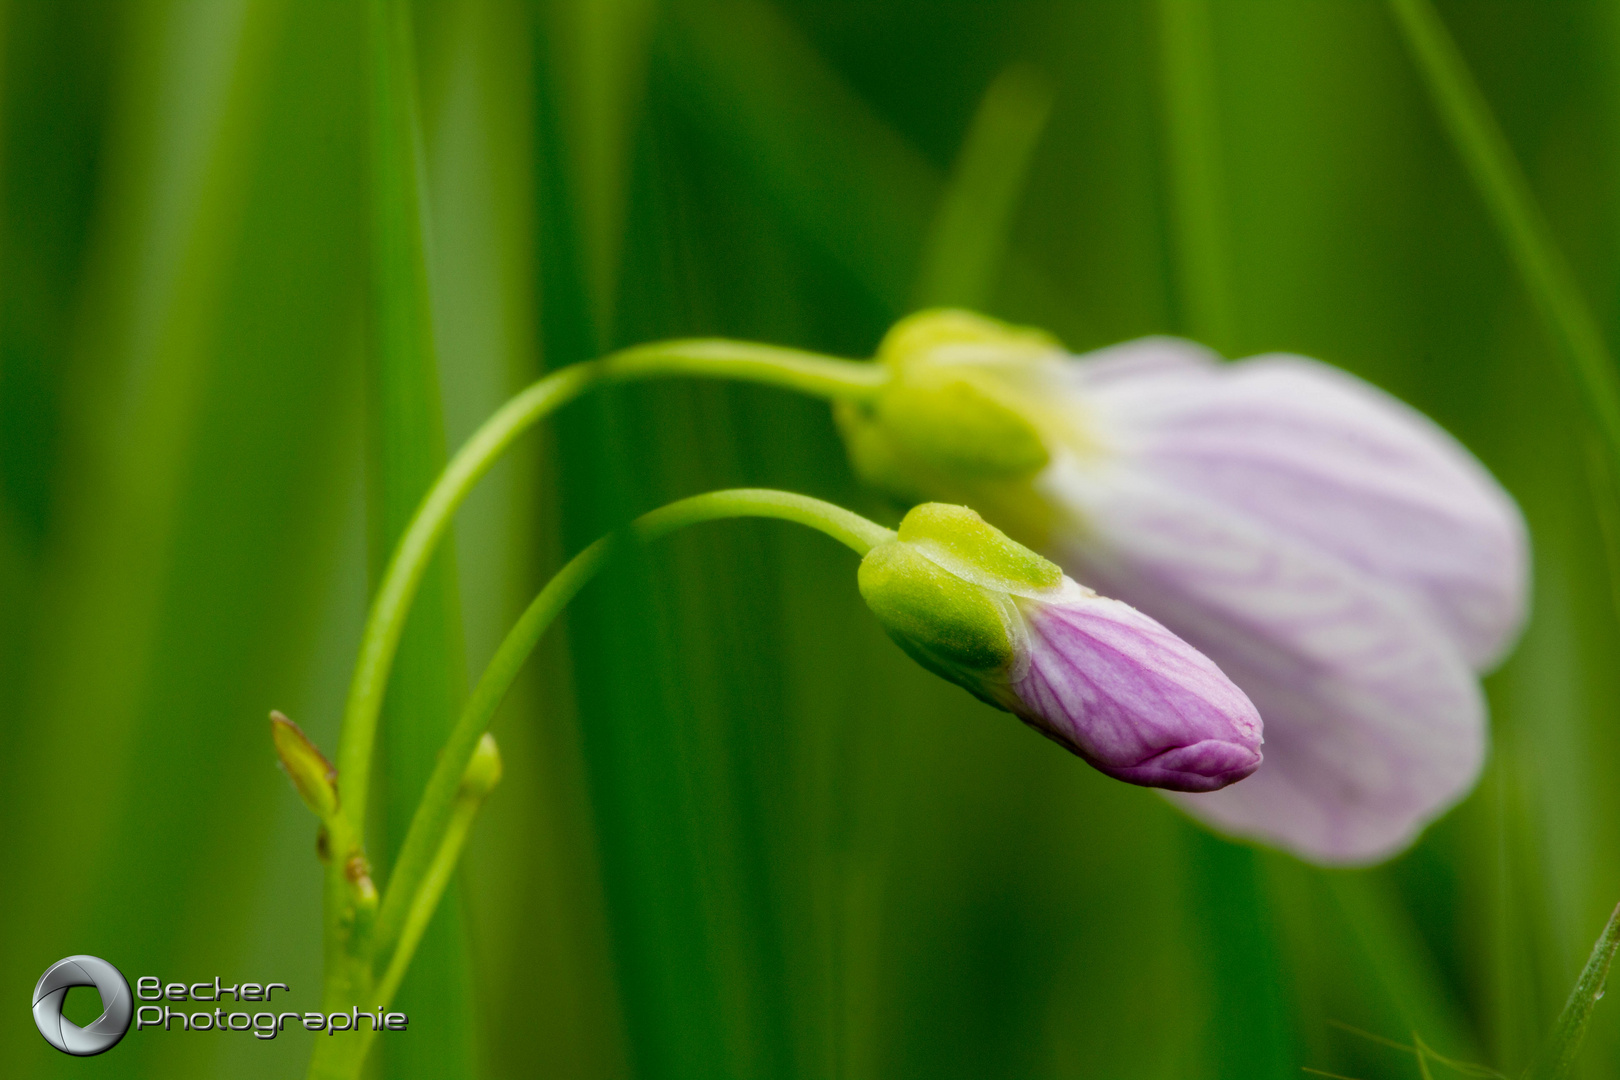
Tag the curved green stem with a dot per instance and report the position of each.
(792, 369)
(482, 774)
(847, 527)
(435, 812)
(429, 888)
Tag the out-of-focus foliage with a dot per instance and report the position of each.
(740, 833)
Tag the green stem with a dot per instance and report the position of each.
(1512, 205)
(791, 369)
(437, 808)
(1558, 1059)
(483, 772)
(351, 906)
(428, 890)
(847, 527)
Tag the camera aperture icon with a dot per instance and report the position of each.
(117, 1005)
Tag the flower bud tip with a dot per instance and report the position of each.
(312, 775)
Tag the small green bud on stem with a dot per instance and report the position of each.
(305, 766)
(483, 771)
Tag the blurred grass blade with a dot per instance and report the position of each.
(1422, 1058)
(1502, 185)
(1600, 478)
(599, 59)
(791, 123)
(407, 432)
(1197, 188)
(786, 116)
(531, 894)
(182, 143)
(1249, 1029)
(968, 240)
(1406, 973)
(1558, 1059)
(664, 956)
(1511, 204)
(1425, 1054)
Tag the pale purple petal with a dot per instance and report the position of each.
(1320, 456)
(1374, 724)
(1135, 701)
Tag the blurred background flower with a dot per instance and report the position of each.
(739, 834)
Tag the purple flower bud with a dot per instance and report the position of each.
(1094, 675)
(1130, 697)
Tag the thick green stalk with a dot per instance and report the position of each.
(438, 802)
(347, 977)
(1502, 185)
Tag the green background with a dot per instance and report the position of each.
(740, 834)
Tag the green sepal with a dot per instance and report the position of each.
(949, 408)
(978, 549)
(925, 332)
(955, 423)
(957, 622)
(944, 589)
